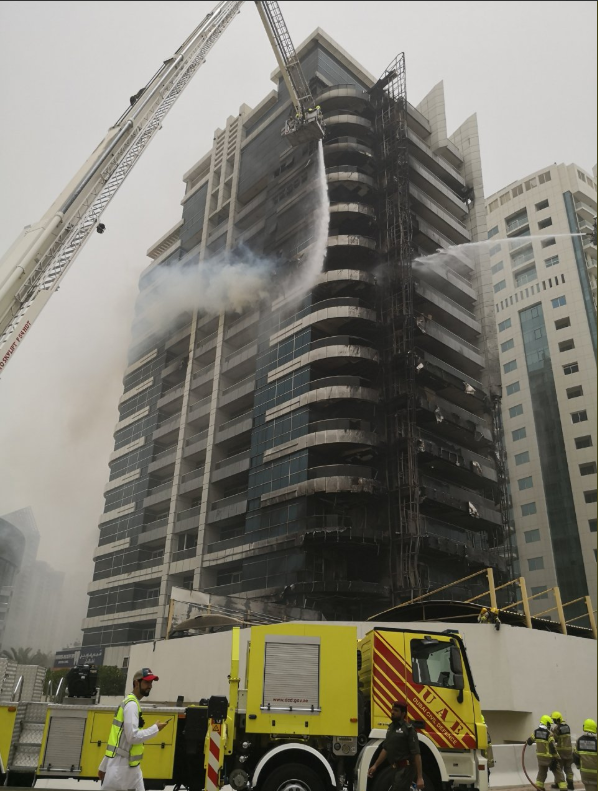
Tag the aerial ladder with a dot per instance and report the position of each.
(33, 268)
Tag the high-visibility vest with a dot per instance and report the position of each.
(562, 735)
(543, 738)
(586, 749)
(135, 754)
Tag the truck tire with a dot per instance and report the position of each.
(384, 779)
(292, 777)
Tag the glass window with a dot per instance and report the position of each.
(574, 392)
(518, 190)
(544, 177)
(588, 469)
(549, 242)
(519, 433)
(528, 509)
(590, 497)
(560, 324)
(510, 366)
(535, 564)
(500, 286)
(432, 663)
(526, 276)
(579, 417)
(558, 302)
(516, 410)
(592, 525)
(552, 261)
(531, 536)
(492, 232)
(495, 249)
(530, 184)
(504, 347)
(504, 325)
(514, 387)
(545, 223)
(538, 592)
(583, 442)
(522, 458)
(570, 368)
(566, 346)
(497, 268)
(525, 483)
(542, 205)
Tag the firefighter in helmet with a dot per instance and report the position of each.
(546, 753)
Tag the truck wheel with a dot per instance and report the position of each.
(292, 777)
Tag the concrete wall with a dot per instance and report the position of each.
(520, 673)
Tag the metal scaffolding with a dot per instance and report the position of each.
(397, 314)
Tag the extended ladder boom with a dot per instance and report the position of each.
(307, 122)
(33, 267)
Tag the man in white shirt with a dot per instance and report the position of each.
(120, 769)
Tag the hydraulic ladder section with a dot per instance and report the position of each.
(306, 125)
(34, 266)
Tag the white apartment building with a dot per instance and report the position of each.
(544, 281)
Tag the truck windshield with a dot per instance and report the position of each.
(432, 664)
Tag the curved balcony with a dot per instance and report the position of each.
(348, 183)
(344, 97)
(332, 479)
(347, 277)
(348, 150)
(329, 315)
(347, 211)
(358, 434)
(347, 125)
(327, 391)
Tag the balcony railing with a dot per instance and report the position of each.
(189, 513)
(196, 437)
(232, 500)
(236, 420)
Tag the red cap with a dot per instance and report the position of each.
(145, 674)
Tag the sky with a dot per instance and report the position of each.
(68, 69)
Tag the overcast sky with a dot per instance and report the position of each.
(68, 68)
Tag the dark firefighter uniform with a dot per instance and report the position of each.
(585, 756)
(562, 736)
(547, 755)
(401, 744)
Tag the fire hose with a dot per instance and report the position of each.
(531, 782)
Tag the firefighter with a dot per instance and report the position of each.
(120, 768)
(484, 616)
(489, 616)
(546, 753)
(488, 753)
(401, 750)
(585, 755)
(562, 736)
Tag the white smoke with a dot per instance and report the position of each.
(234, 281)
(223, 283)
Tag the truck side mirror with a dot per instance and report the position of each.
(455, 658)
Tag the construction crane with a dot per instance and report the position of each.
(32, 269)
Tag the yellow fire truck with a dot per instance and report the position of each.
(311, 716)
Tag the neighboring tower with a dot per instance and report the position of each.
(12, 547)
(544, 281)
(35, 614)
(278, 454)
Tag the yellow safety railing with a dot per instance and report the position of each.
(559, 605)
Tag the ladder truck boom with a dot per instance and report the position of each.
(306, 125)
(33, 267)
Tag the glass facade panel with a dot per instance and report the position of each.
(560, 506)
